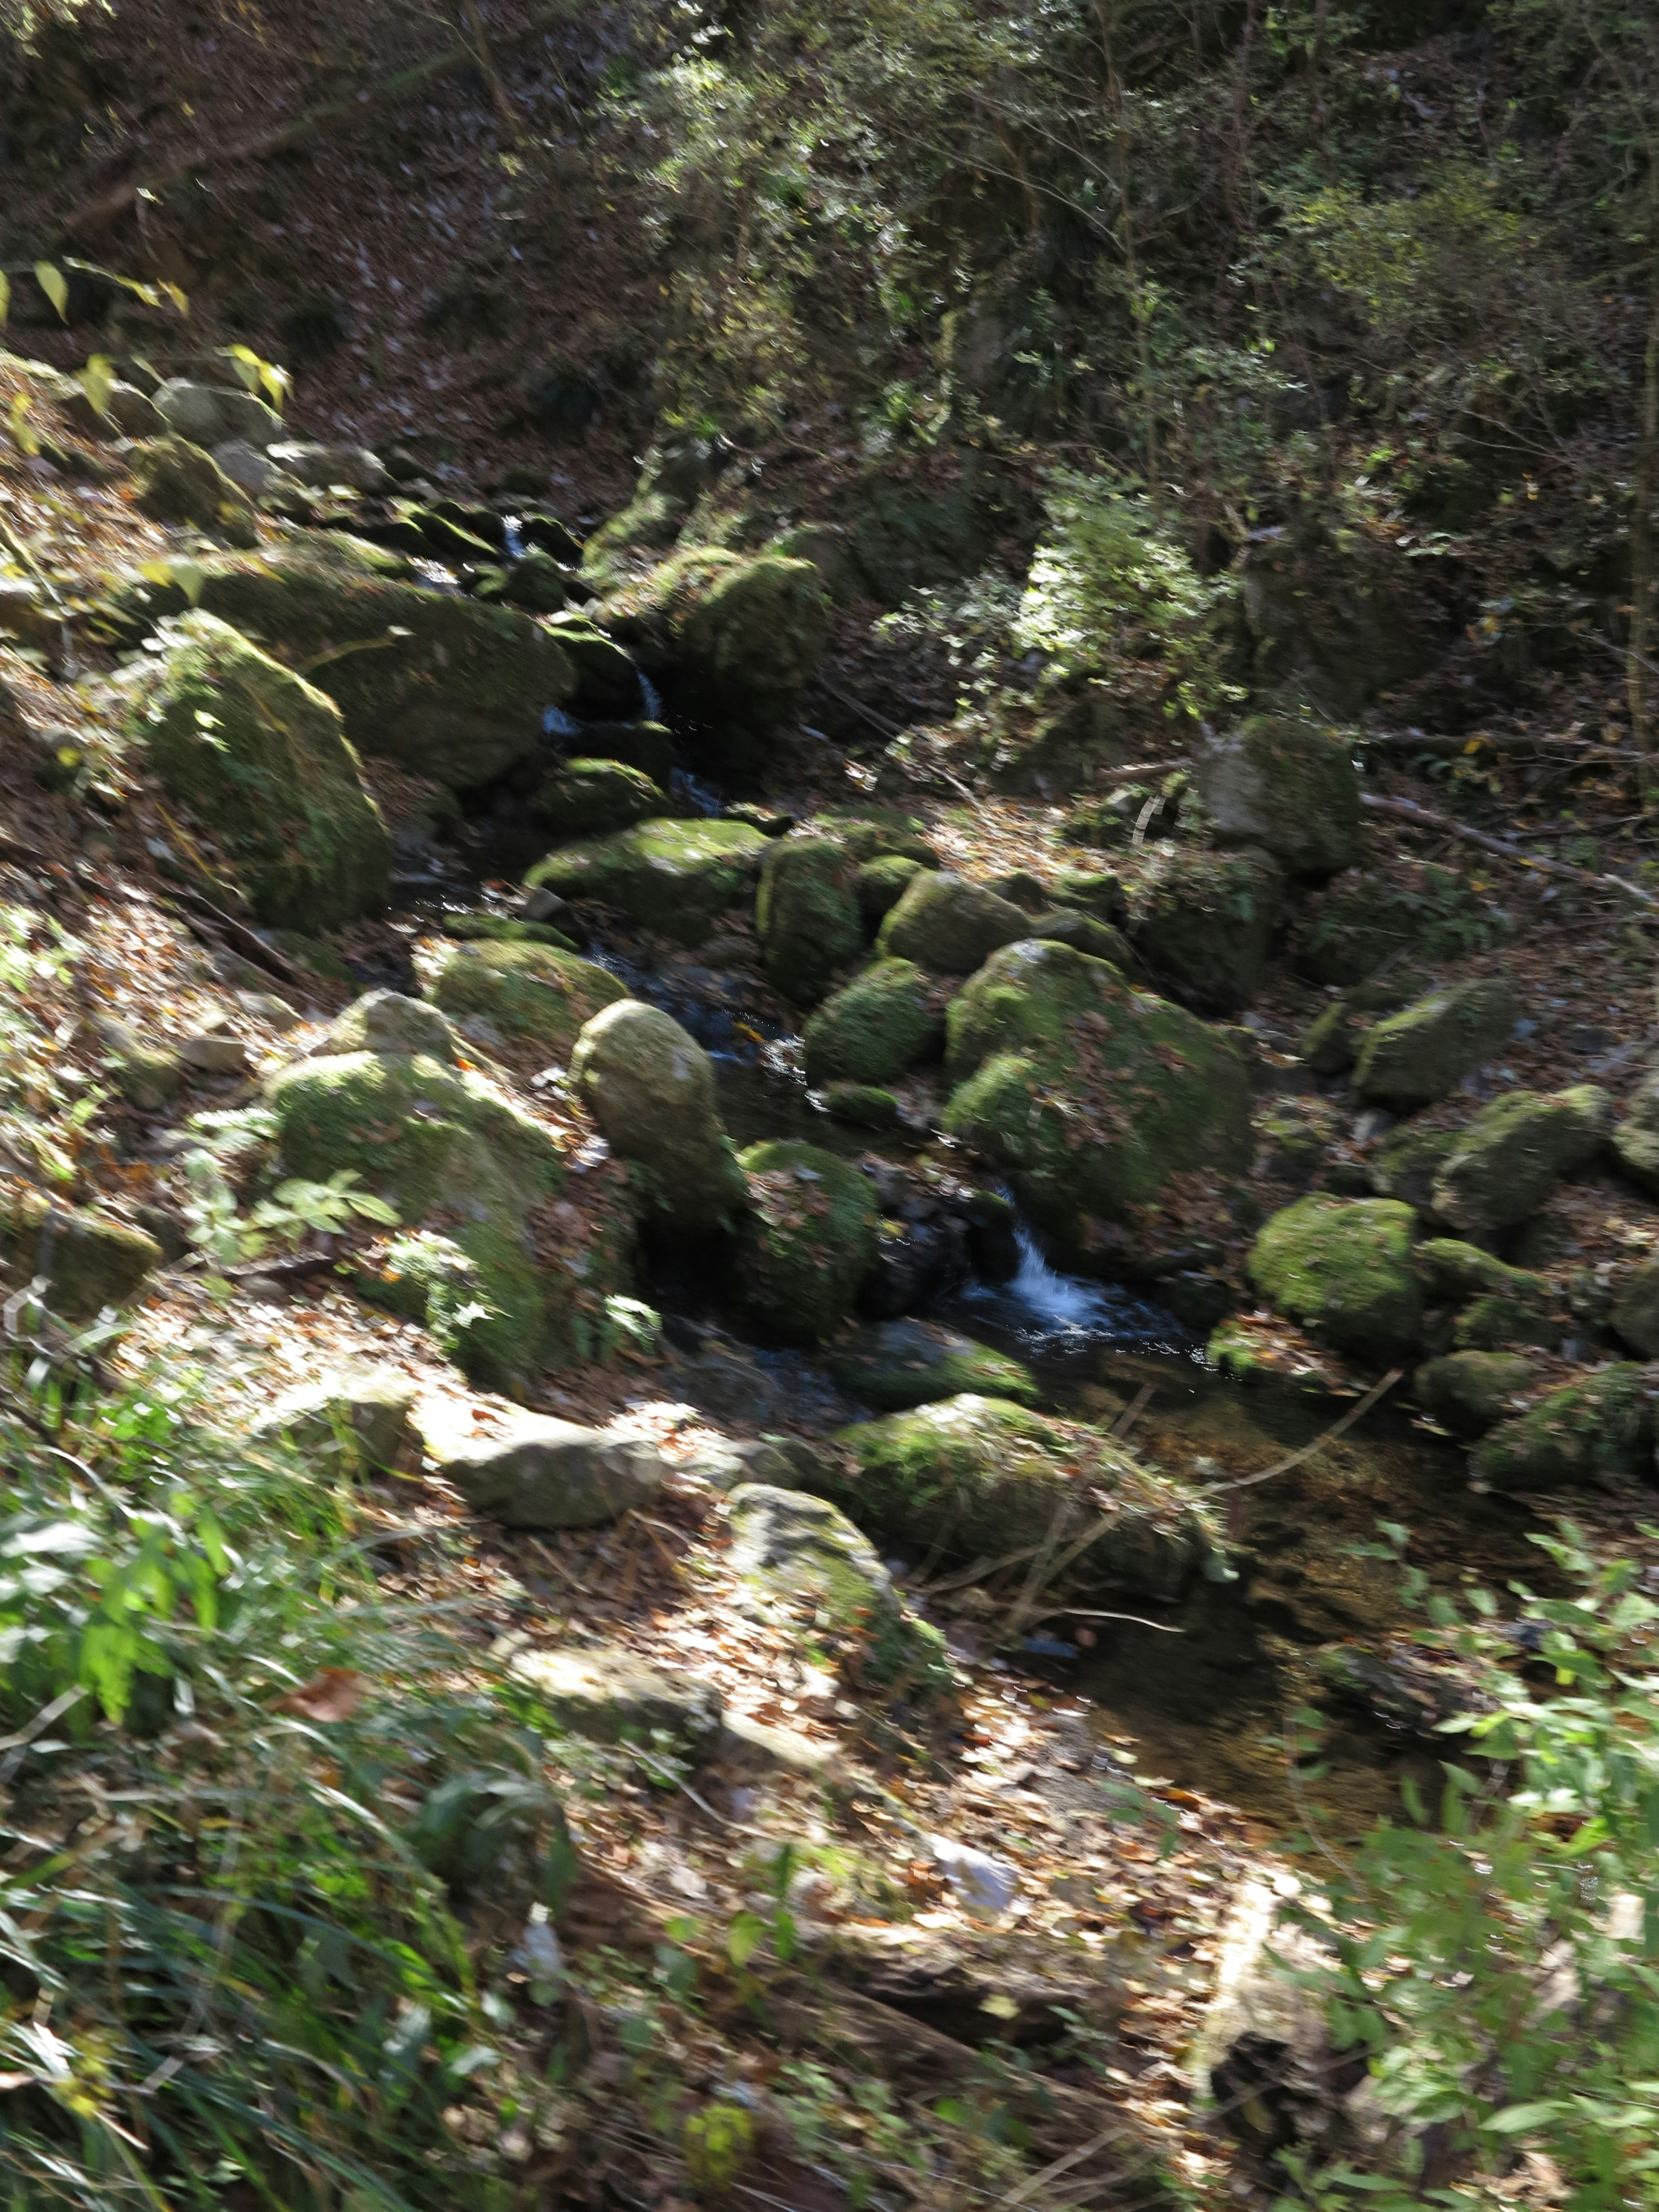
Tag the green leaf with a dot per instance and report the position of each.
(98, 381)
(742, 1938)
(53, 282)
(1520, 2119)
(5, 297)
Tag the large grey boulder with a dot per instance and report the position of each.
(356, 1422)
(947, 924)
(602, 1691)
(651, 1088)
(1287, 786)
(538, 1473)
(208, 414)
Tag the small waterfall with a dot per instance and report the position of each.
(513, 542)
(691, 790)
(1048, 1311)
(653, 698)
(556, 723)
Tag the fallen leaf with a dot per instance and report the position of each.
(332, 1695)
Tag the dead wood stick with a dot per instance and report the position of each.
(98, 214)
(1326, 1436)
(1408, 810)
(246, 941)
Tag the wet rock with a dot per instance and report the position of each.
(901, 1364)
(1085, 933)
(1635, 1312)
(1204, 922)
(537, 583)
(947, 923)
(807, 1243)
(176, 483)
(976, 1478)
(86, 1259)
(919, 1256)
(1635, 1140)
(795, 1551)
(592, 798)
(1344, 1268)
(884, 1024)
(603, 1693)
(742, 633)
(465, 1169)
(1091, 1096)
(994, 1236)
(1470, 1392)
(1289, 786)
(808, 915)
(538, 1473)
(1422, 1054)
(1599, 1429)
(528, 995)
(1508, 1159)
(347, 1424)
(673, 878)
(651, 1090)
(261, 761)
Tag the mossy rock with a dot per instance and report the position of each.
(977, 1478)
(607, 681)
(1493, 1321)
(1345, 1269)
(528, 995)
(650, 1087)
(648, 746)
(1599, 1430)
(1470, 1392)
(1084, 933)
(1451, 1271)
(897, 1364)
(945, 923)
(1287, 786)
(1423, 1053)
(885, 1022)
(1508, 1158)
(673, 878)
(87, 1259)
(1090, 1095)
(444, 687)
(466, 1170)
(1361, 921)
(1407, 1162)
(1097, 891)
(808, 915)
(260, 760)
(880, 833)
(178, 482)
(311, 953)
(1203, 922)
(862, 1106)
(882, 882)
(591, 798)
(504, 929)
(795, 1551)
(1635, 1311)
(807, 1243)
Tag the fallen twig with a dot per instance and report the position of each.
(1329, 1436)
(247, 942)
(1408, 810)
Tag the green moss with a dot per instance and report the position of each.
(947, 924)
(674, 877)
(808, 1243)
(883, 1025)
(862, 1105)
(882, 884)
(1424, 1052)
(808, 914)
(530, 994)
(592, 798)
(876, 833)
(1205, 921)
(1508, 1159)
(1470, 1392)
(1452, 1271)
(1288, 785)
(977, 1478)
(1598, 1429)
(259, 760)
(503, 929)
(310, 952)
(1092, 1096)
(901, 1364)
(1345, 1269)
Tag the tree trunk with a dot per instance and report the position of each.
(1638, 671)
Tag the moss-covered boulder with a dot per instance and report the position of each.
(1635, 1142)
(591, 798)
(862, 1106)
(1423, 1052)
(1084, 933)
(976, 1478)
(883, 882)
(1599, 1430)
(1635, 1309)
(648, 746)
(1406, 1162)
(84, 1258)
(445, 687)
(524, 994)
(1287, 786)
(607, 681)
(1204, 922)
(1098, 891)
(1360, 922)
(1452, 1272)
(876, 833)
(950, 924)
(260, 760)
(1470, 1392)
(886, 1022)
(1090, 1095)
(470, 1175)
(807, 1243)
(1345, 1269)
(797, 1552)
(673, 878)
(651, 1088)
(174, 481)
(897, 1364)
(1508, 1159)
(808, 914)
(741, 634)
